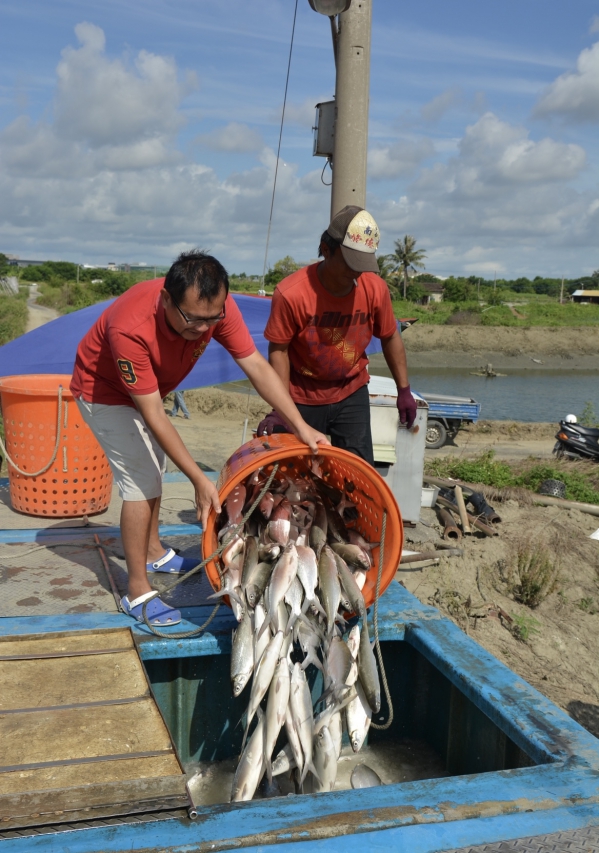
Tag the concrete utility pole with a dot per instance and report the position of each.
(351, 106)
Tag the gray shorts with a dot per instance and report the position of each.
(135, 457)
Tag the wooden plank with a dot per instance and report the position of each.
(72, 641)
(35, 738)
(132, 791)
(98, 773)
(70, 680)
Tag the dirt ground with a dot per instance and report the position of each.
(554, 645)
(536, 348)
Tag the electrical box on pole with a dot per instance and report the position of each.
(324, 129)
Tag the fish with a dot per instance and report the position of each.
(261, 642)
(278, 699)
(284, 761)
(281, 579)
(358, 716)
(301, 714)
(257, 582)
(234, 503)
(251, 765)
(293, 598)
(325, 761)
(318, 530)
(352, 554)
(367, 671)
(363, 776)
(350, 588)
(242, 654)
(277, 529)
(263, 674)
(328, 581)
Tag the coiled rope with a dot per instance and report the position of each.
(185, 634)
(54, 455)
(383, 726)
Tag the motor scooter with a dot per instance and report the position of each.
(575, 441)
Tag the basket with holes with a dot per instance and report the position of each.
(79, 480)
(341, 469)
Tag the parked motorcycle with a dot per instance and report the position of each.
(575, 441)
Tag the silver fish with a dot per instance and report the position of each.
(337, 664)
(281, 579)
(318, 530)
(278, 699)
(261, 641)
(293, 597)
(251, 766)
(284, 761)
(307, 572)
(301, 712)
(256, 582)
(367, 670)
(293, 737)
(277, 529)
(250, 559)
(358, 715)
(325, 761)
(263, 674)
(364, 776)
(242, 654)
(350, 587)
(352, 554)
(328, 581)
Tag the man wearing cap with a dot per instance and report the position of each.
(321, 321)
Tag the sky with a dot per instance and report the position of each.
(133, 130)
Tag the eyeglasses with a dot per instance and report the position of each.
(200, 321)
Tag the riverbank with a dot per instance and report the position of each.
(536, 348)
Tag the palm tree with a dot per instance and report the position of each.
(386, 271)
(406, 257)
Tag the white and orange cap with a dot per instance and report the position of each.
(357, 232)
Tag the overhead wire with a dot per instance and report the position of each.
(274, 186)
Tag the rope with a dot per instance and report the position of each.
(42, 470)
(274, 186)
(377, 644)
(184, 634)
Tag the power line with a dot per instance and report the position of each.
(274, 186)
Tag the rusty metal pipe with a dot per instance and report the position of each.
(450, 529)
(431, 555)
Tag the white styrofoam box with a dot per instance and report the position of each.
(429, 495)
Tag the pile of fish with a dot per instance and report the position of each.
(293, 574)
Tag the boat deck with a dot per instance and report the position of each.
(67, 577)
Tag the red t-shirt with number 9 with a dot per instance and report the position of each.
(131, 349)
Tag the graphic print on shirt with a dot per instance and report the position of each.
(334, 350)
(127, 371)
(199, 350)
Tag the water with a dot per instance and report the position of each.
(544, 396)
(404, 760)
(524, 395)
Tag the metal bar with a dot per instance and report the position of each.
(66, 654)
(154, 753)
(96, 704)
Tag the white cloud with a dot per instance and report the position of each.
(594, 28)
(235, 137)
(575, 94)
(437, 108)
(400, 159)
(100, 101)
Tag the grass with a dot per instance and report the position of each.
(524, 627)
(581, 479)
(534, 313)
(13, 316)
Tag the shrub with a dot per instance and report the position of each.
(533, 572)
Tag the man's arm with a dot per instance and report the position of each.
(395, 356)
(278, 356)
(271, 388)
(151, 408)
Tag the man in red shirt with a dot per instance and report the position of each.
(321, 321)
(139, 350)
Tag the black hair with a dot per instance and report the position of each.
(196, 269)
(328, 241)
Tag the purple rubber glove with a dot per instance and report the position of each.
(406, 405)
(271, 422)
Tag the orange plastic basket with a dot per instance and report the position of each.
(79, 481)
(371, 495)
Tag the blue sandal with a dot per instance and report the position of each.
(172, 563)
(158, 613)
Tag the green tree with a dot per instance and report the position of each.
(415, 291)
(406, 256)
(281, 270)
(458, 290)
(386, 271)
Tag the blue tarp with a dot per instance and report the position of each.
(51, 348)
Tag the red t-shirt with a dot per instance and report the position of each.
(328, 335)
(130, 349)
